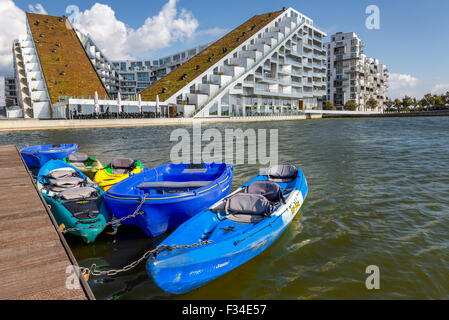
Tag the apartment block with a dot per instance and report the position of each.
(274, 63)
(352, 75)
(10, 92)
(137, 75)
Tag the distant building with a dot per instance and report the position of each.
(273, 64)
(10, 92)
(137, 75)
(351, 75)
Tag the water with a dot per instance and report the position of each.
(379, 195)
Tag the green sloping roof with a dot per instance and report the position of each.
(80, 78)
(175, 81)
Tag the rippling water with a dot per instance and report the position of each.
(379, 195)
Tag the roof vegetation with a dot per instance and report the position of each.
(191, 69)
(67, 69)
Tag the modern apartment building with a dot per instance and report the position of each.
(10, 92)
(137, 75)
(105, 70)
(274, 63)
(353, 76)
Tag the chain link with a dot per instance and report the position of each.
(112, 272)
(133, 215)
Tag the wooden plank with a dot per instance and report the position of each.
(33, 254)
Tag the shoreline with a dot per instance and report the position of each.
(7, 125)
(34, 124)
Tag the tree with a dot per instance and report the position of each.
(350, 106)
(329, 106)
(371, 103)
(389, 103)
(397, 104)
(406, 103)
(430, 100)
(439, 100)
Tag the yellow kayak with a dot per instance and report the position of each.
(86, 164)
(116, 171)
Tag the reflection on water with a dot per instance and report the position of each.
(379, 194)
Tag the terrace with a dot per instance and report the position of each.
(176, 80)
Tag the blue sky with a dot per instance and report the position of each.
(412, 40)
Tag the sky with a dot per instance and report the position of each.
(412, 40)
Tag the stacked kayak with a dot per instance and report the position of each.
(169, 194)
(86, 164)
(37, 156)
(116, 171)
(239, 227)
(75, 201)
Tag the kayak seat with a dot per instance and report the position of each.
(62, 173)
(62, 184)
(248, 208)
(165, 187)
(78, 157)
(282, 173)
(122, 165)
(78, 193)
(270, 190)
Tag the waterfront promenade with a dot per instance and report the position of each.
(34, 124)
(34, 255)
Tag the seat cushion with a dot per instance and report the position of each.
(78, 193)
(62, 173)
(268, 189)
(244, 203)
(122, 163)
(58, 185)
(78, 157)
(282, 173)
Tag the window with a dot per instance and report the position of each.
(128, 76)
(143, 76)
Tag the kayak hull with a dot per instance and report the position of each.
(164, 212)
(37, 156)
(64, 217)
(182, 270)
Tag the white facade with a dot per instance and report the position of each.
(280, 70)
(105, 70)
(32, 92)
(352, 76)
(137, 75)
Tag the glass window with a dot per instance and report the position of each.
(128, 76)
(143, 76)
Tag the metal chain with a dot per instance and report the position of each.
(112, 272)
(133, 215)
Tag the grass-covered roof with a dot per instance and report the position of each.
(67, 69)
(194, 67)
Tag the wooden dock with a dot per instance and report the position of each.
(34, 255)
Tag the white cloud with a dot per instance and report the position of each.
(38, 8)
(119, 41)
(403, 84)
(12, 25)
(440, 88)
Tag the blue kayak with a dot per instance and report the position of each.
(239, 227)
(37, 156)
(75, 201)
(169, 194)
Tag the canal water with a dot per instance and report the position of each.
(379, 195)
